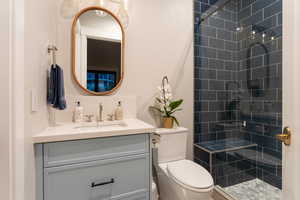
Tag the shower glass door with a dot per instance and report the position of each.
(238, 95)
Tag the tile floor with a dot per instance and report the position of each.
(254, 190)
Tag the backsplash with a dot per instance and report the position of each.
(90, 105)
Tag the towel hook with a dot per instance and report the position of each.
(52, 49)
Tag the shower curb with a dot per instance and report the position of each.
(220, 194)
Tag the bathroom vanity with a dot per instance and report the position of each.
(95, 160)
(94, 163)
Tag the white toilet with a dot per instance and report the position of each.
(178, 178)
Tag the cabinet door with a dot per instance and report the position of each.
(122, 178)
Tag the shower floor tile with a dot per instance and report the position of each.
(254, 190)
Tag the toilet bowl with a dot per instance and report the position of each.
(154, 191)
(184, 180)
(179, 178)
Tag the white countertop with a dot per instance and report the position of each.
(70, 131)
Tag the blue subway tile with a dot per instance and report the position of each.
(273, 9)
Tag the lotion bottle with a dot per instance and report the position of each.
(119, 112)
(78, 113)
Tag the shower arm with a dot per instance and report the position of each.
(202, 19)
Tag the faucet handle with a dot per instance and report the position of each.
(89, 117)
(110, 117)
(100, 114)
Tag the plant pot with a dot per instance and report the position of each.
(168, 122)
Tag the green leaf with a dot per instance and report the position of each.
(175, 104)
(167, 113)
(175, 120)
(179, 109)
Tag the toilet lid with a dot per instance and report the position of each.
(190, 174)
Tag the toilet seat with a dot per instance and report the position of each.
(190, 175)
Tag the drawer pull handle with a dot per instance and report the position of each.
(103, 183)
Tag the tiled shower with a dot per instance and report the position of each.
(238, 97)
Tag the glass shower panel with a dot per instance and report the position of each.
(260, 76)
(238, 95)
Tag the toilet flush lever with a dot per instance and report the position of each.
(286, 136)
(155, 139)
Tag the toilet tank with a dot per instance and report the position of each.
(172, 145)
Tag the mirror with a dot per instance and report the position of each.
(97, 51)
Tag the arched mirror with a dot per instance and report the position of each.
(97, 51)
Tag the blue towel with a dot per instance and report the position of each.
(56, 90)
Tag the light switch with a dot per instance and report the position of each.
(34, 100)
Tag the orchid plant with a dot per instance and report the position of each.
(167, 106)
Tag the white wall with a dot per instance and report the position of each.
(100, 27)
(159, 41)
(5, 149)
(291, 106)
(40, 30)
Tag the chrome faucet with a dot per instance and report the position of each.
(110, 117)
(100, 112)
(89, 118)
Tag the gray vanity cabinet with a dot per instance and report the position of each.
(94, 169)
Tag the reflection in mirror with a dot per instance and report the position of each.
(97, 51)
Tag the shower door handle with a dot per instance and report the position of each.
(286, 136)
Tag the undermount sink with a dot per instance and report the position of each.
(88, 130)
(96, 125)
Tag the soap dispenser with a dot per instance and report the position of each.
(78, 113)
(119, 112)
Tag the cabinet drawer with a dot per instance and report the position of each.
(78, 151)
(123, 178)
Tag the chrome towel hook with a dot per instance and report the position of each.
(52, 49)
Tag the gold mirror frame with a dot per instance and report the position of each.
(112, 91)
